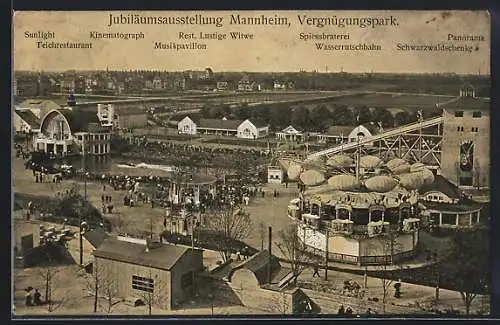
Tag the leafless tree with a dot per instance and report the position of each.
(230, 224)
(280, 303)
(294, 250)
(389, 247)
(153, 295)
(102, 284)
(48, 273)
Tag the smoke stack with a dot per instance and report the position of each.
(269, 245)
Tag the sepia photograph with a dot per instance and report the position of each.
(229, 163)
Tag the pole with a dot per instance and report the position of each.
(269, 244)
(420, 117)
(326, 254)
(81, 238)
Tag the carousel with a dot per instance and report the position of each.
(358, 210)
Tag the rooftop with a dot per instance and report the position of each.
(468, 102)
(259, 123)
(219, 124)
(96, 237)
(258, 264)
(444, 186)
(162, 256)
(29, 117)
(79, 120)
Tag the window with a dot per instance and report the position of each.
(187, 279)
(459, 113)
(475, 129)
(476, 114)
(143, 284)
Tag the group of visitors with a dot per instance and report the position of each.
(33, 298)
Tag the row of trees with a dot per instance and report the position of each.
(318, 118)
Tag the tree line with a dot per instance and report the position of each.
(318, 118)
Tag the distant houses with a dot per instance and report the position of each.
(247, 129)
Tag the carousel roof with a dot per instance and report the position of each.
(396, 162)
(412, 181)
(312, 177)
(381, 183)
(339, 161)
(369, 161)
(344, 183)
(417, 167)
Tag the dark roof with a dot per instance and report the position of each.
(96, 237)
(79, 120)
(373, 127)
(258, 264)
(29, 117)
(164, 256)
(468, 102)
(259, 123)
(444, 186)
(220, 124)
(338, 130)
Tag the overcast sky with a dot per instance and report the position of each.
(273, 48)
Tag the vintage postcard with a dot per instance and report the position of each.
(211, 163)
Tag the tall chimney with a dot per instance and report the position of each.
(269, 245)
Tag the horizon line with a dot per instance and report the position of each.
(248, 71)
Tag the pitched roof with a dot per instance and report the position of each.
(29, 117)
(164, 256)
(373, 127)
(96, 237)
(258, 264)
(291, 130)
(338, 130)
(259, 123)
(44, 105)
(468, 102)
(79, 120)
(219, 124)
(444, 186)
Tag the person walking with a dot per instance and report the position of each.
(341, 310)
(316, 271)
(37, 298)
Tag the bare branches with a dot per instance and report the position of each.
(150, 290)
(102, 285)
(230, 224)
(294, 250)
(48, 274)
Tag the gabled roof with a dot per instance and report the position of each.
(291, 130)
(29, 117)
(43, 104)
(164, 256)
(258, 264)
(444, 186)
(206, 123)
(373, 127)
(259, 123)
(339, 130)
(79, 120)
(96, 237)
